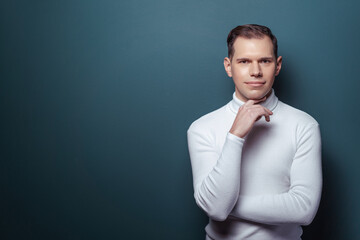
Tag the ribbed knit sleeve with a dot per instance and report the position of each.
(300, 203)
(216, 175)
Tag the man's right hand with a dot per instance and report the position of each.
(247, 115)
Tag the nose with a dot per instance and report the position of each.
(255, 70)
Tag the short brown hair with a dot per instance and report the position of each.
(250, 31)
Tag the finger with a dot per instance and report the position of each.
(259, 100)
(256, 101)
(252, 102)
(264, 108)
(257, 113)
(268, 111)
(267, 115)
(248, 103)
(260, 107)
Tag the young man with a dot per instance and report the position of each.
(256, 162)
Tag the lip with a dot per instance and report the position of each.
(255, 84)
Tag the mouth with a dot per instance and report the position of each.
(255, 83)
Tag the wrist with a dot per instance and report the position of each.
(237, 133)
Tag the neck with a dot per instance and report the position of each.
(270, 102)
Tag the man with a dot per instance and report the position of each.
(256, 161)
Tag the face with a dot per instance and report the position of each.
(253, 67)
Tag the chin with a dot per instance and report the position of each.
(258, 94)
(252, 94)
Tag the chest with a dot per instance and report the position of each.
(267, 156)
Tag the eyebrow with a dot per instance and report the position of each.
(242, 59)
(267, 58)
(248, 59)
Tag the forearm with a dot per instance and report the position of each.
(300, 203)
(291, 207)
(217, 178)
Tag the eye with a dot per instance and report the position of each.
(243, 61)
(265, 61)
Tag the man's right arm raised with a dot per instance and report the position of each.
(216, 172)
(216, 175)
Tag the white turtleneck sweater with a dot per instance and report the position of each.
(264, 186)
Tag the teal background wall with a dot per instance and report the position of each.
(96, 98)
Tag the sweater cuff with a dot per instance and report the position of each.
(235, 138)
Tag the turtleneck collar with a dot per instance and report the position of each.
(270, 103)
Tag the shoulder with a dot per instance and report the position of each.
(210, 120)
(296, 116)
(303, 128)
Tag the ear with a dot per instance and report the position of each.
(227, 66)
(278, 65)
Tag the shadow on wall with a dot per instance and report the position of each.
(285, 86)
(327, 218)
